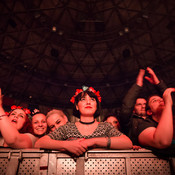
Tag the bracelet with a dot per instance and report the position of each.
(108, 143)
(2, 116)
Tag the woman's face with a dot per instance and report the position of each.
(87, 106)
(113, 121)
(17, 118)
(39, 124)
(54, 121)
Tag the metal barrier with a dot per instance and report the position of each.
(94, 162)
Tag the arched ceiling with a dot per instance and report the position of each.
(49, 48)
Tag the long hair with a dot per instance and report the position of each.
(27, 127)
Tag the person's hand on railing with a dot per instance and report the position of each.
(136, 147)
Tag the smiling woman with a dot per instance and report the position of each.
(55, 119)
(78, 137)
(39, 124)
(16, 128)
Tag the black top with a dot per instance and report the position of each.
(130, 123)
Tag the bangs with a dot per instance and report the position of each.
(83, 94)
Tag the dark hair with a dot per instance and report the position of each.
(147, 100)
(34, 112)
(76, 112)
(108, 115)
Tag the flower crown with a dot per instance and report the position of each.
(35, 111)
(84, 88)
(27, 111)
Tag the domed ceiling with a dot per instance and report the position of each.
(49, 48)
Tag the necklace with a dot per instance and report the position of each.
(87, 123)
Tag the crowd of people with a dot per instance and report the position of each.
(143, 122)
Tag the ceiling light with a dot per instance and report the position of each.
(54, 29)
(60, 32)
(126, 29)
(121, 33)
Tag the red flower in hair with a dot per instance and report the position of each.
(7, 113)
(27, 111)
(97, 93)
(13, 107)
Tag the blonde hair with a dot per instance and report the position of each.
(55, 111)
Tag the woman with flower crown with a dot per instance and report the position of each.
(16, 128)
(78, 137)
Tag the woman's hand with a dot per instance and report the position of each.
(136, 147)
(77, 147)
(89, 142)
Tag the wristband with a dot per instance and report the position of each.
(108, 143)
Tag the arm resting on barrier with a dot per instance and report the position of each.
(80, 146)
(76, 147)
(121, 142)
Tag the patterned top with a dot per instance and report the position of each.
(69, 131)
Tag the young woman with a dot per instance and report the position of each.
(55, 119)
(112, 119)
(16, 128)
(39, 124)
(77, 137)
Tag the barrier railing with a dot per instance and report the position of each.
(93, 162)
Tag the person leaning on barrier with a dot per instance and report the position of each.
(133, 110)
(77, 137)
(55, 119)
(39, 124)
(16, 128)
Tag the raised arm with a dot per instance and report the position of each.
(153, 79)
(129, 102)
(160, 137)
(10, 134)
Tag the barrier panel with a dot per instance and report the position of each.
(93, 162)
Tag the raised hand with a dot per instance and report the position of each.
(140, 76)
(167, 96)
(153, 79)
